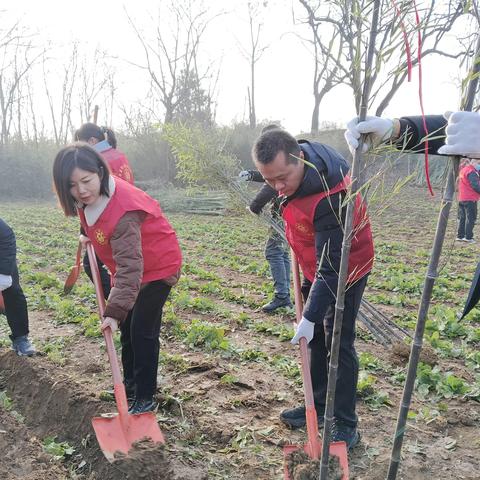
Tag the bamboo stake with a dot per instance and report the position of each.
(430, 278)
(355, 186)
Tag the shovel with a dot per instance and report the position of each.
(2, 304)
(313, 447)
(74, 272)
(118, 432)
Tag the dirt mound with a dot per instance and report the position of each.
(55, 405)
(301, 467)
(22, 455)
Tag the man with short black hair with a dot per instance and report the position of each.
(312, 179)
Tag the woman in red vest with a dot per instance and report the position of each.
(132, 237)
(468, 196)
(104, 141)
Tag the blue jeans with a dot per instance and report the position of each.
(277, 255)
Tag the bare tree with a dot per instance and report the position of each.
(254, 52)
(348, 18)
(61, 105)
(327, 44)
(17, 56)
(95, 80)
(171, 57)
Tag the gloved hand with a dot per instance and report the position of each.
(109, 322)
(304, 329)
(245, 175)
(378, 129)
(5, 282)
(463, 134)
(250, 210)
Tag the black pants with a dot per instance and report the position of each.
(16, 307)
(467, 216)
(104, 275)
(320, 346)
(140, 342)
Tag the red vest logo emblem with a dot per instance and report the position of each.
(304, 229)
(100, 237)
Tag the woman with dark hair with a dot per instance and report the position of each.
(104, 141)
(132, 237)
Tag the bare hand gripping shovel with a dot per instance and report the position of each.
(313, 447)
(74, 272)
(118, 432)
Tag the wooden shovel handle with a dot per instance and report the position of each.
(107, 333)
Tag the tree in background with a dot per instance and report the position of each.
(18, 55)
(327, 44)
(171, 58)
(253, 52)
(345, 48)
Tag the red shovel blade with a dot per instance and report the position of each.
(119, 433)
(338, 449)
(71, 279)
(74, 272)
(2, 304)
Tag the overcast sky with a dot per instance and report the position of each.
(283, 74)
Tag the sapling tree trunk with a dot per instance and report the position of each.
(355, 186)
(430, 278)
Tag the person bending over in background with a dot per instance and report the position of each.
(133, 238)
(14, 299)
(104, 141)
(311, 178)
(276, 250)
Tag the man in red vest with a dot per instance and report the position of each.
(312, 179)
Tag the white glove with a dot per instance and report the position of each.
(245, 175)
(463, 134)
(378, 129)
(304, 329)
(109, 322)
(5, 282)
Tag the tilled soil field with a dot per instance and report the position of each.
(227, 370)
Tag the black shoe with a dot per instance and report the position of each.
(344, 433)
(142, 406)
(23, 347)
(295, 417)
(277, 303)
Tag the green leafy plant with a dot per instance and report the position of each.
(59, 450)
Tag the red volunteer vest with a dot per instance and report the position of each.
(118, 163)
(300, 232)
(161, 253)
(465, 191)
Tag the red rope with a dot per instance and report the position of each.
(420, 96)
(405, 41)
(420, 84)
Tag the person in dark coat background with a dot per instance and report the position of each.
(276, 249)
(14, 299)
